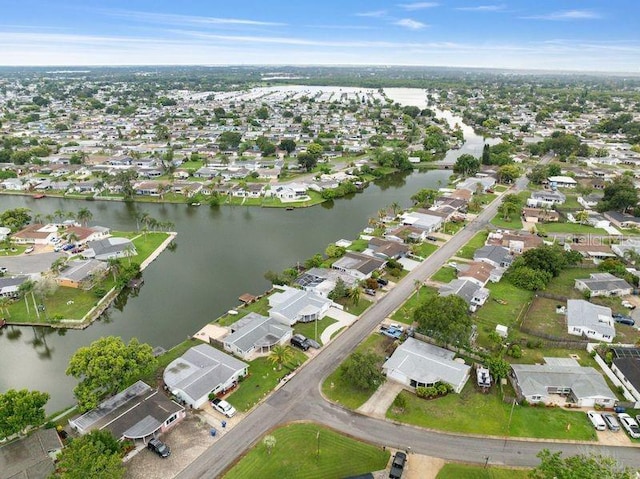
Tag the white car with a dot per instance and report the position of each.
(29, 250)
(223, 407)
(628, 305)
(630, 425)
(596, 420)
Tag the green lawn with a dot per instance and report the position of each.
(473, 412)
(357, 309)
(514, 224)
(564, 283)
(263, 378)
(340, 390)
(165, 358)
(65, 303)
(13, 250)
(404, 314)
(493, 312)
(424, 249)
(445, 274)
(309, 329)
(358, 245)
(261, 307)
(147, 244)
(574, 228)
(465, 471)
(308, 451)
(474, 243)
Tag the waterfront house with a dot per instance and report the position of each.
(418, 364)
(36, 233)
(358, 265)
(292, 305)
(31, 457)
(201, 371)
(81, 273)
(108, 248)
(256, 335)
(10, 286)
(137, 413)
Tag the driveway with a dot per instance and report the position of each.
(187, 440)
(34, 263)
(344, 320)
(381, 400)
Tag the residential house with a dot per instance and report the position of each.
(418, 364)
(630, 244)
(31, 457)
(290, 192)
(474, 295)
(109, 248)
(590, 201)
(10, 286)
(358, 265)
(293, 305)
(590, 320)
(626, 366)
(516, 243)
(546, 199)
(140, 412)
(604, 284)
(201, 371)
(36, 234)
(561, 182)
(407, 234)
(256, 335)
(622, 220)
(475, 184)
(561, 380)
(424, 221)
(539, 215)
(480, 272)
(496, 256)
(82, 273)
(322, 281)
(386, 249)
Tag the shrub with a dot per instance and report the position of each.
(514, 351)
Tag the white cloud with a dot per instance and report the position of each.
(566, 15)
(175, 19)
(374, 13)
(418, 5)
(410, 24)
(483, 8)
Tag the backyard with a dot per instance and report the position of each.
(468, 412)
(404, 314)
(308, 451)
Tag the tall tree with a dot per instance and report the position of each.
(96, 455)
(84, 215)
(280, 355)
(363, 370)
(466, 165)
(553, 466)
(21, 409)
(107, 366)
(444, 318)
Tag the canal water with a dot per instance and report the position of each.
(221, 253)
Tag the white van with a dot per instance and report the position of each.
(596, 420)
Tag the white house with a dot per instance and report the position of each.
(418, 364)
(604, 284)
(590, 320)
(562, 182)
(255, 335)
(295, 305)
(201, 371)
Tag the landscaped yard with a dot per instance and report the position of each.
(263, 378)
(473, 412)
(340, 390)
(542, 317)
(474, 243)
(465, 471)
(309, 329)
(424, 249)
(574, 228)
(357, 309)
(404, 314)
(146, 244)
(445, 274)
(308, 451)
(260, 306)
(358, 245)
(13, 250)
(515, 223)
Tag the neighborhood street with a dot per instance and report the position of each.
(300, 398)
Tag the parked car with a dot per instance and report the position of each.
(223, 407)
(393, 331)
(299, 341)
(67, 247)
(369, 291)
(623, 319)
(630, 425)
(612, 422)
(432, 238)
(159, 447)
(628, 305)
(596, 420)
(382, 281)
(3, 270)
(29, 250)
(397, 465)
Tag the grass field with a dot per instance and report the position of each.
(308, 451)
(263, 378)
(514, 224)
(404, 313)
(445, 274)
(309, 329)
(473, 412)
(574, 228)
(425, 249)
(146, 244)
(465, 471)
(261, 307)
(340, 390)
(474, 243)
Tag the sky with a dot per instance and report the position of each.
(576, 35)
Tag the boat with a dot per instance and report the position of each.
(289, 208)
(39, 196)
(194, 204)
(483, 377)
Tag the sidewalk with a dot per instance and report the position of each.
(343, 319)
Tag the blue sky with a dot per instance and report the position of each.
(533, 34)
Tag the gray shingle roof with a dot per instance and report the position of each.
(604, 282)
(581, 313)
(258, 331)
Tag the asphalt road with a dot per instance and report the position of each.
(300, 398)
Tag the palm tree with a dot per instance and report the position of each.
(84, 216)
(354, 294)
(417, 284)
(59, 264)
(4, 305)
(24, 289)
(280, 354)
(163, 188)
(115, 267)
(59, 214)
(582, 217)
(395, 207)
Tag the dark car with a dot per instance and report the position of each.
(382, 281)
(299, 341)
(159, 447)
(623, 319)
(397, 466)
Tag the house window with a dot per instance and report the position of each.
(171, 419)
(536, 398)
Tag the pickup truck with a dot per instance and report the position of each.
(397, 466)
(393, 331)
